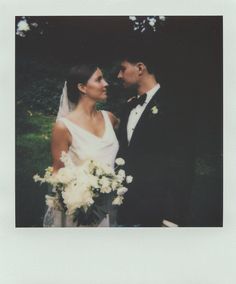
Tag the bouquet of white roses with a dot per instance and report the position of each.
(80, 191)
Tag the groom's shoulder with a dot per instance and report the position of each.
(124, 107)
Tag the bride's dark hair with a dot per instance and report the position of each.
(78, 74)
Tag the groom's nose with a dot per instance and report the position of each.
(119, 76)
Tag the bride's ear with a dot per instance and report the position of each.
(81, 88)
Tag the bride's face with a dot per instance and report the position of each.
(96, 87)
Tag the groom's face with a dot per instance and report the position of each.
(128, 74)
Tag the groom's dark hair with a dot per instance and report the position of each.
(78, 74)
(144, 52)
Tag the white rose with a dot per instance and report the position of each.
(77, 197)
(114, 185)
(105, 185)
(93, 180)
(66, 159)
(104, 182)
(118, 200)
(107, 169)
(98, 172)
(52, 180)
(122, 190)
(120, 161)
(64, 175)
(121, 175)
(106, 189)
(129, 179)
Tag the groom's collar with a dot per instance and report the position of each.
(152, 92)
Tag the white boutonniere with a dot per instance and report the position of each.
(154, 110)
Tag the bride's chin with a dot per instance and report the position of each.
(103, 98)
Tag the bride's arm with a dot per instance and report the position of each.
(61, 141)
(114, 120)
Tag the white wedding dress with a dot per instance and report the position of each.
(86, 145)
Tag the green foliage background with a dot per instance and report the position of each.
(39, 86)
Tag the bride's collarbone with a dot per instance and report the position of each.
(96, 127)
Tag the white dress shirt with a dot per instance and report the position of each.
(136, 113)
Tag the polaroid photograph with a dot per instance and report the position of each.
(118, 153)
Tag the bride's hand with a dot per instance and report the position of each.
(114, 120)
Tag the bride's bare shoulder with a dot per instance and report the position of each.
(59, 128)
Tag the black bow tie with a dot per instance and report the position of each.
(138, 101)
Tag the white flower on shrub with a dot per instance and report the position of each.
(132, 18)
(152, 21)
(23, 26)
(35, 25)
(141, 23)
(162, 18)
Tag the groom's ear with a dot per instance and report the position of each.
(81, 88)
(141, 67)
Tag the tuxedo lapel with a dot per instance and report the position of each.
(123, 127)
(147, 113)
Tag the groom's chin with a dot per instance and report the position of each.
(130, 87)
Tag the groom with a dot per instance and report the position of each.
(146, 145)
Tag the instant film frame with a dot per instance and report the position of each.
(173, 254)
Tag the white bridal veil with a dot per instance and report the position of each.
(65, 105)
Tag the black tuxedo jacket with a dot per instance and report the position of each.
(151, 197)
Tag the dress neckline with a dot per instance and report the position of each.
(89, 132)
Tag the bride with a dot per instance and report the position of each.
(83, 132)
